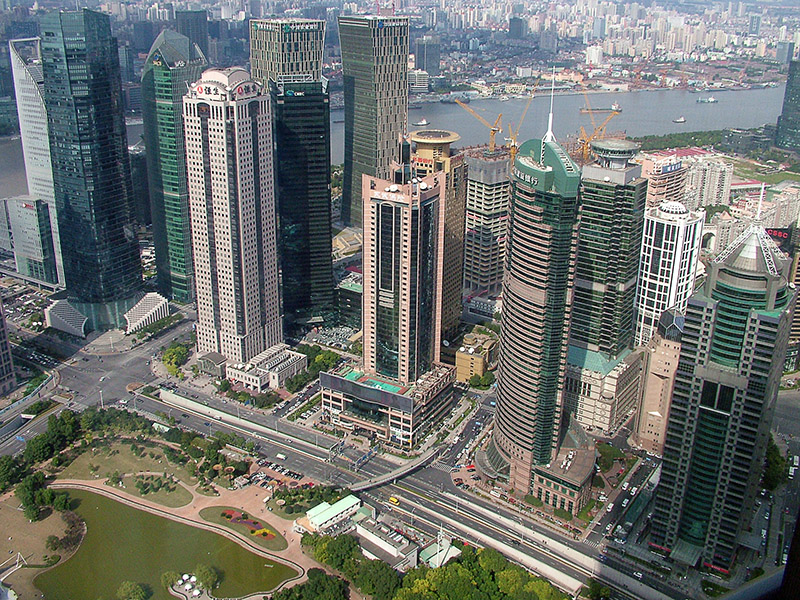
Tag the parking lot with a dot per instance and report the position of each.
(333, 337)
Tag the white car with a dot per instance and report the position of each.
(609, 507)
(634, 490)
(625, 485)
(625, 502)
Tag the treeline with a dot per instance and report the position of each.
(476, 575)
(681, 140)
(318, 360)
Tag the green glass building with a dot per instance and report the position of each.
(613, 194)
(537, 300)
(375, 65)
(731, 361)
(173, 62)
(91, 171)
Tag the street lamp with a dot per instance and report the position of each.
(101, 400)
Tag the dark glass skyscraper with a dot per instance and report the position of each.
(375, 63)
(731, 361)
(194, 25)
(788, 133)
(91, 171)
(173, 62)
(286, 55)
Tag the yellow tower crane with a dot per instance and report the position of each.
(512, 134)
(493, 129)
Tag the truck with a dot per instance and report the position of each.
(280, 456)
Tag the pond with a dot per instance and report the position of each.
(123, 543)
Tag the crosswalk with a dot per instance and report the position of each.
(441, 466)
(591, 543)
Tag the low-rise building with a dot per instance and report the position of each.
(474, 356)
(270, 369)
(599, 391)
(567, 482)
(385, 408)
(378, 541)
(324, 516)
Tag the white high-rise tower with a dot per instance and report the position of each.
(670, 251)
(228, 132)
(26, 66)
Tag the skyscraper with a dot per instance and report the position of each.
(612, 213)
(537, 300)
(788, 131)
(7, 377)
(603, 378)
(173, 63)
(286, 57)
(375, 63)
(401, 389)
(731, 361)
(26, 64)
(427, 54)
(432, 155)
(667, 264)
(666, 178)
(91, 172)
(486, 217)
(194, 25)
(33, 238)
(401, 314)
(228, 131)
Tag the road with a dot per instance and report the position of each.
(91, 377)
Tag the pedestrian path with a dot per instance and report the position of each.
(442, 466)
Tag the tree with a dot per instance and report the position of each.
(377, 579)
(475, 381)
(775, 467)
(168, 578)
(207, 577)
(129, 590)
(52, 543)
(598, 591)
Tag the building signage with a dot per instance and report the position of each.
(670, 168)
(527, 178)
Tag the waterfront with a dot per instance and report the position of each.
(643, 113)
(126, 544)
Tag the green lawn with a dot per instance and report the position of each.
(179, 496)
(713, 589)
(583, 515)
(103, 460)
(280, 512)
(213, 514)
(608, 454)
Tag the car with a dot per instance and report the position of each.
(475, 478)
(207, 424)
(610, 507)
(634, 490)
(625, 502)
(625, 486)
(185, 415)
(638, 575)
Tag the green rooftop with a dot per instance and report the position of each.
(376, 382)
(594, 361)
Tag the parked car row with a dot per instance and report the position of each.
(263, 462)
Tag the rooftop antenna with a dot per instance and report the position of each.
(760, 201)
(549, 137)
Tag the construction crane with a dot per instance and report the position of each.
(493, 129)
(585, 139)
(512, 134)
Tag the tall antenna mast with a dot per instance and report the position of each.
(549, 136)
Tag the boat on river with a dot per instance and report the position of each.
(680, 119)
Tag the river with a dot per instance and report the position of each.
(643, 113)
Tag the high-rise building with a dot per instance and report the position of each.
(755, 25)
(603, 378)
(661, 366)
(708, 182)
(194, 25)
(402, 275)
(731, 361)
(488, 187)
(427, 55)
(228, 132)
(788, 131)
(286, 56)
(431, 155)
(173, 63)
(26, 63)
(667, 264)
(91, 171)
(33, 239)
(785, 52)
(517, 28)
(666, 178)
(401, 389)
(375, 63)
(8, 379)
(612, 213)
(537, 301)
